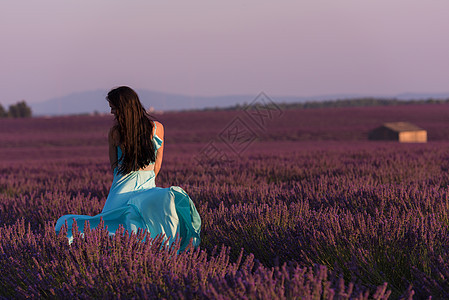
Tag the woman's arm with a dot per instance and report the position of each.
(160, 151)
(113, 143)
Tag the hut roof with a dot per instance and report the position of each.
(402, 126)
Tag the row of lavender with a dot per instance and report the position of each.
(370, 213)
(333, 124)
(365, 212)
(38, 265)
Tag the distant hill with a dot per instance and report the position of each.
(91, 101)
(94, 101)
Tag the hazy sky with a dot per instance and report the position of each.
(50, 48)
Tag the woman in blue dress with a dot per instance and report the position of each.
(136, 145)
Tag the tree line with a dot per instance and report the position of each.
(18, 110)
(368, 101)
(358, 102)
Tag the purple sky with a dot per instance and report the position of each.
(50, 48)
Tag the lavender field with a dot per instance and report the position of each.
(300, 205)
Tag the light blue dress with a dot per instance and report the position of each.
(135, 202)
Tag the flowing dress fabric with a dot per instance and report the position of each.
(135, 202)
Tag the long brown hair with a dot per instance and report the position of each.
(135, 128)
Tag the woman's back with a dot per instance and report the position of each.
(125, 184)
(157, 138)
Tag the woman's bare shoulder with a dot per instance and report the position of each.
(159, 129)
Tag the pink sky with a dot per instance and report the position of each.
(50, 48)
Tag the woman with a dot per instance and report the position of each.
(135, 154)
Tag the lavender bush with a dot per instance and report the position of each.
(310, 210)
(43, 265)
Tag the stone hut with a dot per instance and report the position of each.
(402, 132)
